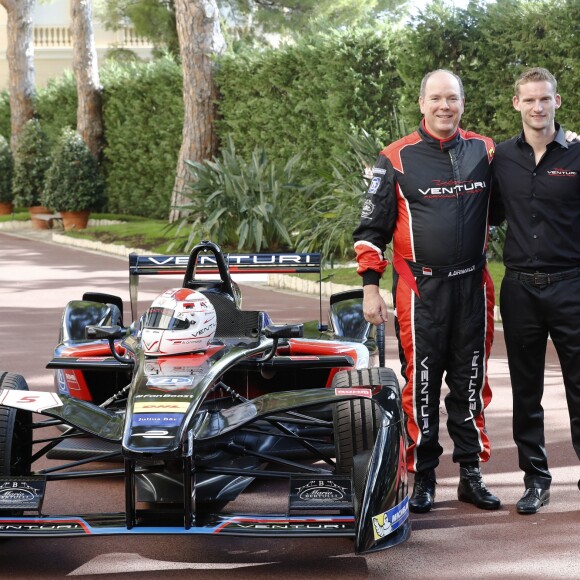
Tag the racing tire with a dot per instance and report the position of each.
(15, 431)
(356, 421)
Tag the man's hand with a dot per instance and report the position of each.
(374, 307)
(571, 136)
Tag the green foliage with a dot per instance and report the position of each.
(73, 181)
(247, 205)
(56, 105)
(335, 212)
(488, 46)
(143, 118)
(31, 162)
(151, 19)
(5, 114)
(6, 171)
(306, 97)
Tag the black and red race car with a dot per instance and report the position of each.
(306, 406)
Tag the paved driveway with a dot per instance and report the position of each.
(455, 540)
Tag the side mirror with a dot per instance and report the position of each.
(108, 332)
(284, 331)
(111, 333)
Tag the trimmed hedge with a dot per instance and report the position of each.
(306, 98)
(143, 119)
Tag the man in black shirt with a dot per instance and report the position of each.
(538, 176)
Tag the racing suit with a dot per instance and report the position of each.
(431, 198)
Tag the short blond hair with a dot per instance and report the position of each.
(534, 75)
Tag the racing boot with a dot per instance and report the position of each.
(423, 492)
(472, 489)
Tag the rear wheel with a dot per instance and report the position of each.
(15, 431)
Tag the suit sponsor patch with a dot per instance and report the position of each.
(367, 210)
(375, 183)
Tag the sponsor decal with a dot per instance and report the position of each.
(297, 527)
(35, 401)
(61, 383)
(169, 382)
(424, 399)
(72, 381)
(375, 183)
(329, 493)
(462, 271)
(427, 271)
(21, 493)
(235, 260)
(158, 419)
(161, 407)
(360, 392)
(379, 171)
(368, 208)
(170, 396)
(453, 188)
(27, 528)
(154, 434)
(557, 172)
(387, 523)
(473, 382)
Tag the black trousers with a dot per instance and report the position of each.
(530, 313)
(445, 327)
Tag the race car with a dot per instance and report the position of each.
(197, 401)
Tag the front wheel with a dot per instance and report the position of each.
(357, 421)
(15, 431)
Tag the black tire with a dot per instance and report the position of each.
(15, 431)
(381, 340)
(356, 421)
(374, 377)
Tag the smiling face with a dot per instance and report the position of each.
(537, 102)
(442, 104)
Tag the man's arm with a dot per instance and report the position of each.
(371, 237)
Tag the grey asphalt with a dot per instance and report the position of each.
(455, 540)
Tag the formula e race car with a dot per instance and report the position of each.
(197, 401)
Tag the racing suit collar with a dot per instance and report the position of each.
(441, 144)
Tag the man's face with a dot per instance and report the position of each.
(537, 102)
(442, 105)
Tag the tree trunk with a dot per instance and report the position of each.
(85, 67)
(200, 39)
(20, 56)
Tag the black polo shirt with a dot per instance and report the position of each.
(541, 203)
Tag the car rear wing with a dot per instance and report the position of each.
(210, 263)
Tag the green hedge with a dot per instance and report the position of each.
(143, 119)
(306, 98)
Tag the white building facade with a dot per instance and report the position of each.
(53, 42)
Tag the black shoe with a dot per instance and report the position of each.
(532, 500)
(472, 489)
(423, 492)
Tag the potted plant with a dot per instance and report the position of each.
(73, 186)
(6, 172)
(31, 162)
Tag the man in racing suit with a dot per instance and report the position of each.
(430, 194)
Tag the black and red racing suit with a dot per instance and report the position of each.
(431, 198)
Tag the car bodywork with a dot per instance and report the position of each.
(192, 432)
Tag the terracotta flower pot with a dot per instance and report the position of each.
(6, 207)
(39, 224)
(75, 220)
